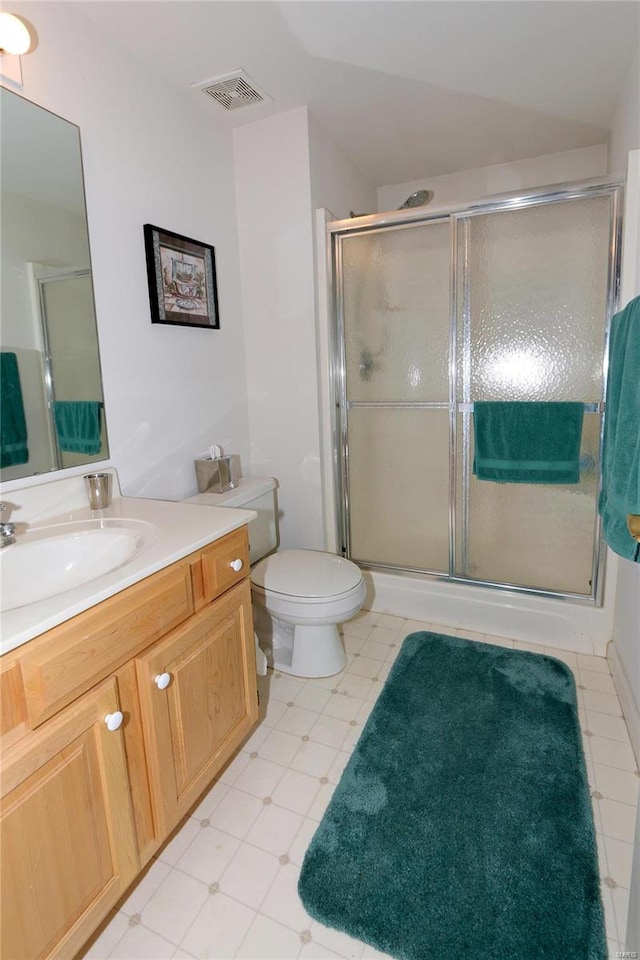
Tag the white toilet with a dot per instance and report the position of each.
(299, 596)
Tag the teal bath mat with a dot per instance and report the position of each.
(462, 824)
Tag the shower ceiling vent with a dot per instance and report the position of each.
(233, 91)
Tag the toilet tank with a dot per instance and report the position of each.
(251, 493)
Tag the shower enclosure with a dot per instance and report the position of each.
(501, 301)
(71, 364)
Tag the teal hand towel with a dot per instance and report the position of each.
(620, 493)
(13, 426)
(78, 425)
(524, 442)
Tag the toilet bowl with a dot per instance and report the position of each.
(300, 597)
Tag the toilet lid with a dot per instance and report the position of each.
(306, 573)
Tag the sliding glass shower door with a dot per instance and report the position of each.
(504, 302)
(532, 307)
(396, 395)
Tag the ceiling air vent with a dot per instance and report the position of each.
(233, 91)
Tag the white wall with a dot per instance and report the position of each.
(286, 166)
(33, 231)
(336, 184)
(276, 251)
(625, 128)
(470, 185)
(150, 156)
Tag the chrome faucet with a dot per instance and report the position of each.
(6, 530)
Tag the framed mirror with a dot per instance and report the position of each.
(51, 404)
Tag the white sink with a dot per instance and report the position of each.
(51, 560)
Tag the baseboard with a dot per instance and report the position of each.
(625, 696)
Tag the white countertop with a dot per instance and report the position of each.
(175, 530)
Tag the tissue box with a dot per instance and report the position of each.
(216, 476)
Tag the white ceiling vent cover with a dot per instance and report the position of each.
(233, 91)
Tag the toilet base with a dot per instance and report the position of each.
(303, 650)
(317, 652)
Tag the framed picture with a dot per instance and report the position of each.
(182, 279)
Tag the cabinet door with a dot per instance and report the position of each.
(67, 839)
(198, 697)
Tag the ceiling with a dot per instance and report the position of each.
(408, 88)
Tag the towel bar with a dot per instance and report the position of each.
(633, 522)
(588, 407)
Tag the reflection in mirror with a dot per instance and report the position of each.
(51, 404)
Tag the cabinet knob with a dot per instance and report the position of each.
(162, 681)
(236, 565)
(114, 720)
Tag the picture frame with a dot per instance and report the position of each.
(182, 279)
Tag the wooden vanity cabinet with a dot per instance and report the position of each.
(198, 701)
(68, 845)
(83, 807)
(62, 663)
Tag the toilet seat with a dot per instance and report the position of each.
(273, 598)
(306, 576)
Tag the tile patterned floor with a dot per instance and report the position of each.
(225, 885)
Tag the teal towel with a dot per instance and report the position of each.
(13, 426)
(78, 425)
(620, 493)
(524, 442)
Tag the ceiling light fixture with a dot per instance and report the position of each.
(15, 38)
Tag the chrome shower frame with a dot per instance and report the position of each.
(459, 217)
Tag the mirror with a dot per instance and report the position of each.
(51, 404)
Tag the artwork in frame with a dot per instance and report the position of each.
(182, 279)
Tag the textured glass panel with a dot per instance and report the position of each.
(396, 313)
(537, 300)
(534, 535)
(399, 487)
